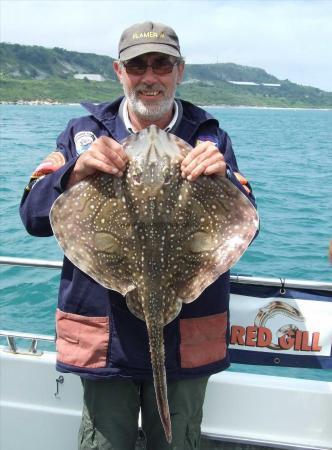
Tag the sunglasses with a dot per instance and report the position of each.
(139, 67)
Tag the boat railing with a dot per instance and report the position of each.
(48, 264)
(13, 336)
(265, 281)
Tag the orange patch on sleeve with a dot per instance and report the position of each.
(50, 164)
(242, 180)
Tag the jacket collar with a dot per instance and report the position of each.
(107, 114)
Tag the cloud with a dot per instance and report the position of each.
(287, 38)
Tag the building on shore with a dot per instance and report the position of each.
(89, 76)
(252, 83)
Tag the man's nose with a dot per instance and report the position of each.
(149, 77)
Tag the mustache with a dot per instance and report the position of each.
(151, 87)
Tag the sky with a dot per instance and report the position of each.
(289, 39)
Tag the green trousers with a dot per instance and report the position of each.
(111, 409)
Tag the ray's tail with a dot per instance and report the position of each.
(157, 351)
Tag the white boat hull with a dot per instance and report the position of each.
(239, 407)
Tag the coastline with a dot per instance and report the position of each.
(223, 106)
(37, 103)
(295, 108)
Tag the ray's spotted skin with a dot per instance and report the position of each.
(154, 236)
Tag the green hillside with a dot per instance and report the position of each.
(38, 63)
(226, 72)
(34, 73)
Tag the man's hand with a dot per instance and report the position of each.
(204, 159)
(105, 155)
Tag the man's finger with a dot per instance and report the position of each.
(116, 159)
(110, 155)
(195, 166)
(106, 144)
(217, 168)
(99, 163)
(197, 151)
(203, 161)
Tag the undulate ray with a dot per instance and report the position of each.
(154, 237)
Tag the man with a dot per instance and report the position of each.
(97, 337)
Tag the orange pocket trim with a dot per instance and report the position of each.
(203, 340)
(82, 341)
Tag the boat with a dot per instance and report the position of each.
(41, 408)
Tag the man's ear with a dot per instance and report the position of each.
(118, 69)
(180, 73)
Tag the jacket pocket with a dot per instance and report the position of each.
(203, 340)
(82, 341)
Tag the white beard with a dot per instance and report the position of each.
(145, 111)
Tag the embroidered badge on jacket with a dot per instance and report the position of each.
(201, 139)
(83, 140)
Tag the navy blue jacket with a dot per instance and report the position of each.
(97, 336)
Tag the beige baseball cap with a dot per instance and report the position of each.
(148, 37)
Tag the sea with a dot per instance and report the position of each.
(286, 154)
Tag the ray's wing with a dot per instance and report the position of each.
(215, 225)
(172, 308)
(100, 247)
(134, 304)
